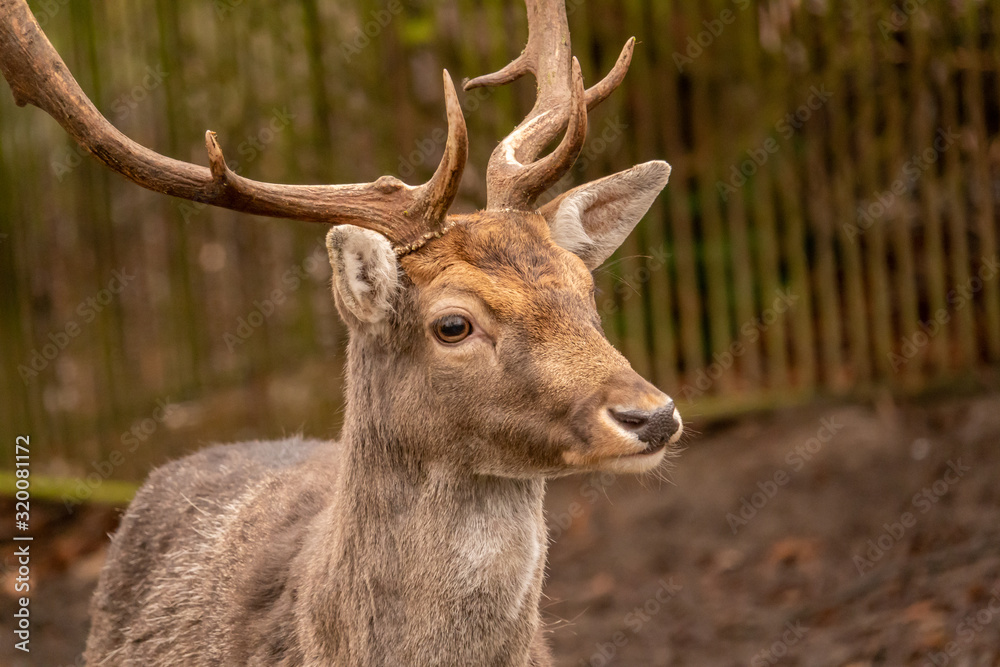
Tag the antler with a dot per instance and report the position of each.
(406, 215)
(515, 176)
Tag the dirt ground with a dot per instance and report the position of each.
(840, 535)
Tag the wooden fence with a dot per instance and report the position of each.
(830, 226)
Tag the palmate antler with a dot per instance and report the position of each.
(406, 215)
(516, 176)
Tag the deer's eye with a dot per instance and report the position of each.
(452, 329)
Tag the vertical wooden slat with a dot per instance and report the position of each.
(823, 223)
(634, 251)
(14, 410)
(667, 94)
(984, 219)
(659, 304)
(305, 332)
(768, 271)
(734, 145)
(867, 145)
(744, 281)
(803, 340)
(713, 248)
(32, 237)
(314, 30)
(901, 220)
(844, 178)
(96, 212)
(187, 366)
(924, 126)
(960, 326)
(792, 196)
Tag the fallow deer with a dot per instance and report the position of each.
(476, 369)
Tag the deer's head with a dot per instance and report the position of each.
(479, 332)
(507, 365)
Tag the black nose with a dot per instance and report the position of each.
(653, 428)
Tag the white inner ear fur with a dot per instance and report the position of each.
(354, 265)
(567, 226)
(365, 272)
(592, 220)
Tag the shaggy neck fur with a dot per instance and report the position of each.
(428, 564)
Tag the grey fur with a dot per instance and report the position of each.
(219, 550)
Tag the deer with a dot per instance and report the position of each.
(476, 370)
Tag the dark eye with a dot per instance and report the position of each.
(452, 328)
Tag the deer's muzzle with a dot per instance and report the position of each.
(653, 427)
(626, 426)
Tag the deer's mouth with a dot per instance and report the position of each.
(627, 426)
(617, 447)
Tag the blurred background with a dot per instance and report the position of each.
(828, 235)
(835, 186)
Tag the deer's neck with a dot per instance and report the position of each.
(427, 564)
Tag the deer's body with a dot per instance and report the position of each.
(286, 553)
(477, 369)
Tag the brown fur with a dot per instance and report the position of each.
(419, 538)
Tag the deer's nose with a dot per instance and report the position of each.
(654, 427)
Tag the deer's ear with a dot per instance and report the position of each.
(592, 220)
(365, 274)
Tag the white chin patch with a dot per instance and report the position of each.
(636, 463)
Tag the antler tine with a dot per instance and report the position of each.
(602, 89)
(404, 214)
(439, 192)
(595, 94)
(547, 55)
(510, 183)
